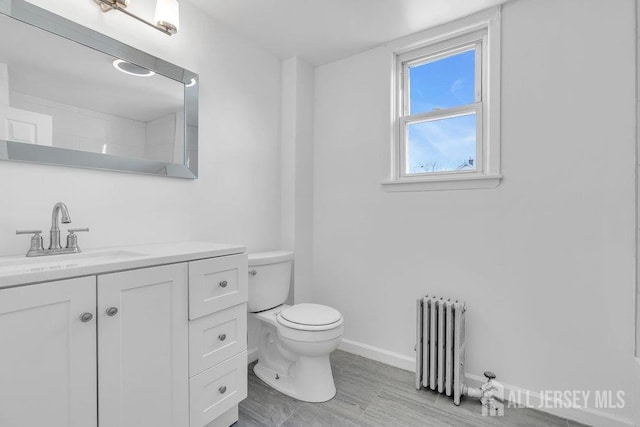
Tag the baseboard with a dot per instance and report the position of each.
(226, 419)
(588, 416)
(252, 355)
(378, 354)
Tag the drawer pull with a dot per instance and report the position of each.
(223, 284)
(222, 337)
(86, 317)
(223, 389)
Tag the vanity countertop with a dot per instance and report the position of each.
(20, 270)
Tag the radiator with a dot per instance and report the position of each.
(440, 345)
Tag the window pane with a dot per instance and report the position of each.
(444, 83)
(442, 145)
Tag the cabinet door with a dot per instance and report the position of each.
(143, 367)
(48, 354)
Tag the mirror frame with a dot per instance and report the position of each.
(61, 27)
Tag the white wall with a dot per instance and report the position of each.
(545, 261)
(288, 121)
(297, 173)
(237, 197)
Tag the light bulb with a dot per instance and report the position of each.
(168, 15)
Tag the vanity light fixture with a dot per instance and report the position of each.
(131, 69)
(167, 14)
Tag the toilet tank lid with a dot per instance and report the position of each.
(272, 257)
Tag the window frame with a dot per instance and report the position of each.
(482, 33)
(434, 53)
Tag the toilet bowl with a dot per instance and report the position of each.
(295, 341)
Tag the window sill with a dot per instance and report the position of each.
(458, 182)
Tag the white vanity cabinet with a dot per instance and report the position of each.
(159, 346)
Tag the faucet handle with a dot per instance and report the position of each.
(72, 239)
(36, 241)
(36, 232)
(77, 230)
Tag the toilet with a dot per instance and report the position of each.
(295, 341)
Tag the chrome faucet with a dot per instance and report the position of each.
(37, 247)
(54, 233)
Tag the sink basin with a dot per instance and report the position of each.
(17, 265)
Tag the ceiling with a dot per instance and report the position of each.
(322, 31)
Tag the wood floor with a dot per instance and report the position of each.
(374, 394)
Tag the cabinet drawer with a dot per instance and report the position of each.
(216, 337)
(217, 390)
(216, 284)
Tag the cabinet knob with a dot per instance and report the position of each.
(112, 311)
(223, 284)
(222, 337)
(86, 317)
(253, 272)
(223, 389)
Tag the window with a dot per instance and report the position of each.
(447, 108)
(441, 111)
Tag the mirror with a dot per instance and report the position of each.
(74, 97)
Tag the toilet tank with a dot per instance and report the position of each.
(269, 279)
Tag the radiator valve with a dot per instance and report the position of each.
(490, 395)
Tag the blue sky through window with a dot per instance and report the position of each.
(442, 145)
(449, 143)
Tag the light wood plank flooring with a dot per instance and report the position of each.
(374, 394)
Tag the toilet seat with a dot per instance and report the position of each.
(310, 317)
